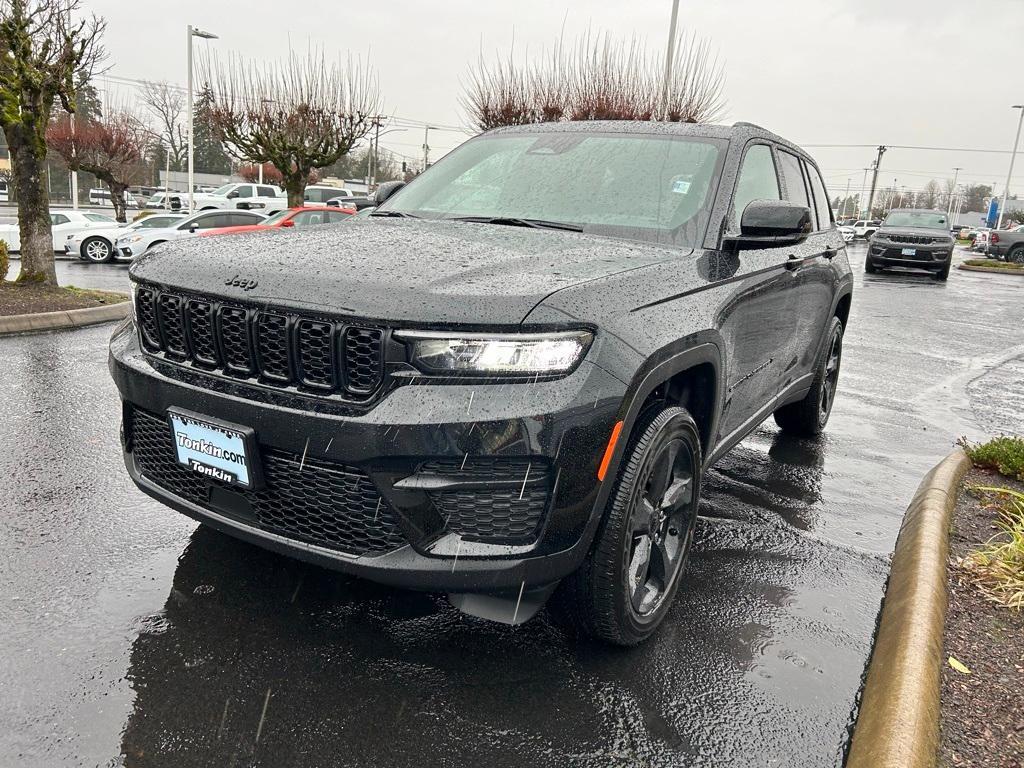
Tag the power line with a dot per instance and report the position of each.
(908, 146)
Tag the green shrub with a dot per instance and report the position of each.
(1003, 454)
(5, 260)
(998, 566)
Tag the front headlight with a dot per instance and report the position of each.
(487, 354)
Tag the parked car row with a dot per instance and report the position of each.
(63, 224)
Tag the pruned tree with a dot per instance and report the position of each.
(112, 148)
(168, 104)
(598, 78)
(45, 52)
(300, 115)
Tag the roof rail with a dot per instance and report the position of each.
(745, 124)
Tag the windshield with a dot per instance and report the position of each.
(277, 217)
(926, 219)
(637, 186)
(222, 191)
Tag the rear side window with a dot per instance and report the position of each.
(796, 190)
(758, 180)
(266, 192)
(240, 219)
(821, 202)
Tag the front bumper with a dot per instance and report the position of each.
(931, 257)
(437, 457)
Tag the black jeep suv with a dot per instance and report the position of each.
(919, 239)
(509, 378)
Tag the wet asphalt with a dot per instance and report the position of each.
(131, 636)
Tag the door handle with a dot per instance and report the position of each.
(829, 252)
(794, 262)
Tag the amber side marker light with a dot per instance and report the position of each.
(603, 469)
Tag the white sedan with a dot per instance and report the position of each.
(62, 224)
(137, 243)
(97, 245)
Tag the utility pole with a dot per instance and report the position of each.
(375, 149)
(670, 55)
(426, 146)
(874, 179)
(952, 194)
(1013, 156)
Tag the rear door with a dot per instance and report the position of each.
(811, 270)
(757, 319)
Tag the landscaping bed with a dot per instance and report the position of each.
(993, 265)
(983, 708)
(24, 299)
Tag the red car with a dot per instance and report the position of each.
(307, 216)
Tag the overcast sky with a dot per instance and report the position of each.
(904, 72)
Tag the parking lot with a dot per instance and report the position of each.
(132, 635)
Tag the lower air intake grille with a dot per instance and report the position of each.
(319, 502)
(507, 515)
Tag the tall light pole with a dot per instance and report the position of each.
(192, 32)
(952, 192)
(670, 55)
(1013, 156)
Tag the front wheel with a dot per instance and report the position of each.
(942, 274)
(809, 416)
(625, 587)
(97, 250)
(869, 266)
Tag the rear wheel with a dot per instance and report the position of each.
(98, 250)
(625, 587)
(1016, 256)
(809, 416)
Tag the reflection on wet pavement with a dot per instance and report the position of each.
(131, 636)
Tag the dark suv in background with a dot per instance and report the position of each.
(510, 378)
(918, 239)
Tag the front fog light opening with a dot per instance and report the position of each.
(480, 354)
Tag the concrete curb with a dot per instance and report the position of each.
(898, 724)
(68, 318)
(993, 270)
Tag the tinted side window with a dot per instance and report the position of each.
(333, 217)
(239, 220)
(758, 180)
(266, 192)
(821, 202)
(213, 221)
(796, 191)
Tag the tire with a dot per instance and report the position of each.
(97, 250)
(626, 585)
(942, 274)
(869, 266)
(1016, 255)
(808, 417)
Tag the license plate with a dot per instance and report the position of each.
(214, 448)
(909, 251)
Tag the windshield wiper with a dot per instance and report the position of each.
(510, 221)
(394, 214)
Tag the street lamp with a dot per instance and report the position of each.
(192, 32)
(1013, 156)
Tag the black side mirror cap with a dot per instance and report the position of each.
(771, 224)
(386, 190)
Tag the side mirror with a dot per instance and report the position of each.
(193, 227)
(288, 223)
(232, 194)
(386, 190)
(771, 224)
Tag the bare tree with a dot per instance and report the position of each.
(45, 51)
(168, 105)
(597, 78)
(300, 115)
(112, 149)
(929, 198)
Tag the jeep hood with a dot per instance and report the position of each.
(420, 272)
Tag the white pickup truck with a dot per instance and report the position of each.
(262, 198)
